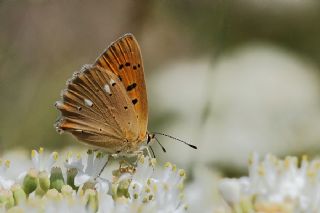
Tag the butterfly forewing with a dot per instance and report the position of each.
(123, 58)
(96, 109)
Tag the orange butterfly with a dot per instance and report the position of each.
(105, 104)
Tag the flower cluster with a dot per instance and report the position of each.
(78, 187)
(275, 185)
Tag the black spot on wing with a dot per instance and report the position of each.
(131, 87)
(134, 101)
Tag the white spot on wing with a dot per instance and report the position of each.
(58, 104)
(112, 82)
(59, 130)
(107, 89)
(88, 102)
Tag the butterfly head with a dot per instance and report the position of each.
(150, 137)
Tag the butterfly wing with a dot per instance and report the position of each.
(123, 58)
(96, 109)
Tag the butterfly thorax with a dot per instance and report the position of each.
(134, 145)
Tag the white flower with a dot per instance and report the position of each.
(41, 162)
(91, 170)
(5, 182)
(144, 188)
(53, 201)
(106, 203)
(230, 189)
(73, 161)
(202, 193)
(154, 189)
(274, 182)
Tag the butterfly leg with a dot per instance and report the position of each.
(148, 151)
(104, 166)
(154, 156)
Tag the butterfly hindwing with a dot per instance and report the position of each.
(96, 109)
(123, 58)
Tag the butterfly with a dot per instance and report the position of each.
(105, 104)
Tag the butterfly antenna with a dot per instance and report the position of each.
(174, 138)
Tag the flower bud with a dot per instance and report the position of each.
(71, 174)
(88, 185)
(44, 181)
(53, 194)
(6, 199)
(92, 200)
(56, 179)
(19, 195)
(67, 190)
(30, 181)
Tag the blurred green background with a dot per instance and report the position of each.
(231, 77)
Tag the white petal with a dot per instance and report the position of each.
(99, 164)
(90, 164)
(107, 205)
(230, 190)
(102, 186)
(35, 159)
(51, 161)
(124, 176)
(81, 179)
(21, 176)
(74, 162)
(6, 183)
